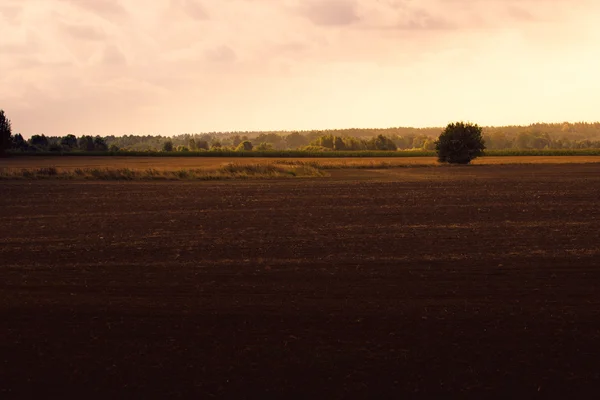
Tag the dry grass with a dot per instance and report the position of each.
(163, 168)
(229, 171)
(185, 163)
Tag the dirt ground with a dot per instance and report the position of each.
(174, 163)
(422, 281)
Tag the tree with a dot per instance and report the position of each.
(324, 141)
(18, 143)
(100, 144)
(295, 140)
(202, 145)
(39, 141)
(460, 143)
(167, 146)
(86, 143)
(5, 133)
(236, 140)
(192, 145)
(244, 146)
(264, 147)
(68, 142)
(338, 144)
(383, 143)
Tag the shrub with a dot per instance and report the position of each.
(244, 146)
(47, 171)
(85, 143)
(68, 142)
(39, 141)
(202, 145)
(264, 147)
(100, 144)
(460, 143)
(18, 143)
(167, 146)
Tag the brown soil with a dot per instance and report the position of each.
(426, 281)
(174, 163)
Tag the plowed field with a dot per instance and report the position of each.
(424, 281)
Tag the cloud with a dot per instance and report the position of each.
(221, 54)
(330, 12)
(83, 32)
(113, 56)
(10, 13)
(358, 62)
(191, 8)
(109, 9)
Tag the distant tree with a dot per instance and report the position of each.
(167, 146)
(460, 143)
(404, 142)
(55, 146)
(338, 144)
(295, 140)
(202, 145)
(68, 142)
(113, 148)
(236, 140)
(100, 144)
(429, 145)
(192, 145)
(5, 133)
(86, 143)
(355, 144)
(215, 144)
(264, 147)
(382, 142)
(244, 146)
(497, 140)
(324, 141)
(18, 143)
(183, 149)
(39, 141)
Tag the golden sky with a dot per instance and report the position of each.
(175, 66)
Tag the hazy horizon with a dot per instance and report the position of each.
(115, 67)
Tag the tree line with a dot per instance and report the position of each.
(535, 136)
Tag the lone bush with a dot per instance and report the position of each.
(460, 143)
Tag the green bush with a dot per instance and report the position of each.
(244, 146)
(460, 143)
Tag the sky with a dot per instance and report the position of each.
(189, 66)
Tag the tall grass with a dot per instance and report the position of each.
(229, 171)
(342, 164)
(542, 153)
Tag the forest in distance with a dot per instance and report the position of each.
(539, 136)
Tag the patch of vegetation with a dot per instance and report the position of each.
(460, 143)
(229, 171)
(542, 153)
(5, 133)
(360, 164)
